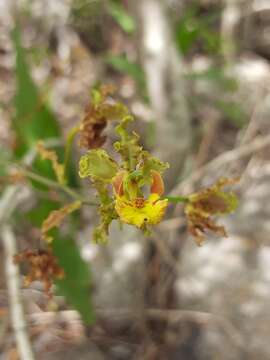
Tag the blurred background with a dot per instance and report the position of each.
(196, 75)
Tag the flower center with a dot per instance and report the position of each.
(139, 203)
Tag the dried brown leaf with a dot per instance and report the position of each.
(43, 266)
(97, 115)
(52, 156)
(201, 206)
(56, 218)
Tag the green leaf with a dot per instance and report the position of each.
(41, 211)
(234, 112)
(193, 29)
(120, 15)
(33, 120)
(186, 36)
(187, 30)
(211, 40)
(217, 76)
(77, 281)
(4, 158)
(123, 65)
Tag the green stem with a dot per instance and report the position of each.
(177, 199)
(50, 183)
(70, 137)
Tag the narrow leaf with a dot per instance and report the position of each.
(77, 281)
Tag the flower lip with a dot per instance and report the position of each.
(150, 211)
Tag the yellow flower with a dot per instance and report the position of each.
(141, 212)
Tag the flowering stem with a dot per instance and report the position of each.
(177, 199)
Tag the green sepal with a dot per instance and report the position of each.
(98, 165)
(147, 164)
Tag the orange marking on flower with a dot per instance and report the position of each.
(139, 202)
(157, 186)
(117, 183)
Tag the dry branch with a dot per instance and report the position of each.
(13, 283)
(8, 203)
(226, 158)
(171, 315)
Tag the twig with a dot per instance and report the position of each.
(254, 123)
(224, 159)
(50, 183)
(8, 203)
(230, 18)
(53, 184)
(16, 308)
(165, 82)
(171, 315)
(10, 197)
(165, 252)
(210, 130)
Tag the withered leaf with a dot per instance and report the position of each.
(43, 266)
(97, 115)
(206, 203)
(52, 156)
(56, 218)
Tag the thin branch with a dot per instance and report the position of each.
(171, 315)
(53, 184)
(164, 71)
(165, 253)
(16, 308)
(8, 203)
(11, 196)
(50, 183)
(10, 199)
(230, 17)
(224, 159)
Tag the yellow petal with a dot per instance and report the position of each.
(140, 212)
